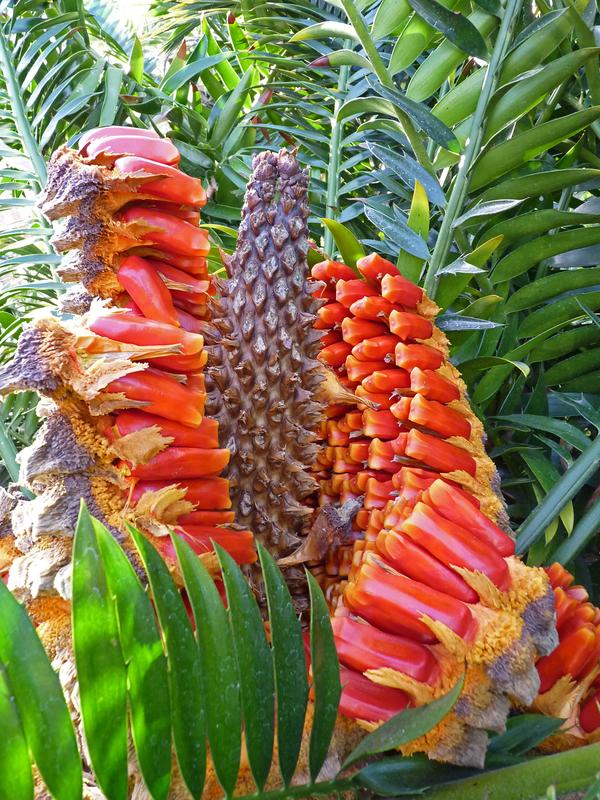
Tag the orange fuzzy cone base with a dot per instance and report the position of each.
(433, 589)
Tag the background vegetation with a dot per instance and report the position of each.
(493, 107)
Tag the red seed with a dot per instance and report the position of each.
(147, 290)
(175, 185)
(416, 562)
(374, 268)
(589, 717)
(438, 418)
(115, 130)
(166, 231)
(428, 383)
(453, 545)
(207, 493)
(418, 355)
(163, 395)
(331, 337)
(133, 144)
(386, 380)
(193, 289)
(372, 308)
(206, 518)
(358, 370)
(330, 316)
(335, 354)
(456, 506)
(407, 325)
(331, 272)
(362, 647)
(376, 348)
(239, 544)
(380, 424)
(438, 454)
(131, 329)
(206, 435)
(381, 456)
(570, 658)
(377, 493)
(559, 576)
(356, 330)
(363, 699)
(183, 462)
(396, 604)
(398, 289)
(348, 292)
(383, 400)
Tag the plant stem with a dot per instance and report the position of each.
(13, 89)
(461, 183)
(333, 167)
(324, 789)
(386, 80)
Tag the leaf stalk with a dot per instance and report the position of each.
(461, 183)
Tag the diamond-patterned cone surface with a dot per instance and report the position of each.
(264, 374)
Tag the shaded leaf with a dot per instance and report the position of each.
(101, 670)
(221, 682)
(325, 676)
(147, 678)
(454, 26)
(289, 665)
(255, 668)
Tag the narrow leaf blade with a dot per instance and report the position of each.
(290, 669)
(255, 667)
(16, 782)
(101, 670)
(148, 681)
(326, 678)
(406, 726)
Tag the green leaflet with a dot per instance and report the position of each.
(101, 669)
(16, 782)
(220, 676)
(289, 667)
(504, 157)
(147, 678)
(326, 678)
(406, 726)
(562, 491)
(457, 28)
(36, 709)
(528, 255)
(255, 668)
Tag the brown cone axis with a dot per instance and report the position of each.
(263, 369)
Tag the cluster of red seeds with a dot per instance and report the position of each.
(166, 285)
(405, 451)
